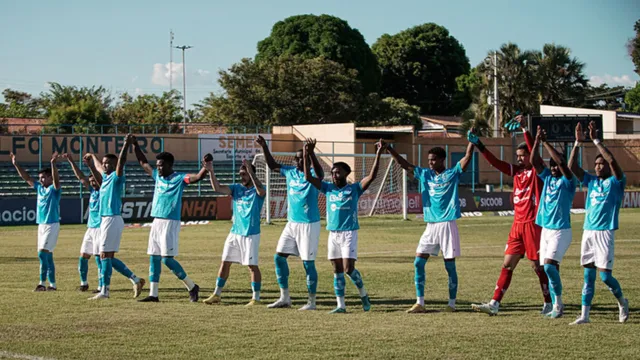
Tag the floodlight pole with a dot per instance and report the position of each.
(496, 107)
(184, 84)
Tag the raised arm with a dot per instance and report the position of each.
(399, 159)
(142, 160)
(23, 174)
(606, 154)
(573, 163)
(91, 161)
(307, 167)
(254, 179)
(223, 189)
(122, 158)
(314, 160)
(97, 165)
(366, 182)
(76, 171)
(466, 160)
(502, 166)
(562, 163)
(271, 162)
(535, 158)
(54, 171)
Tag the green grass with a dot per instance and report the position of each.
(65, 325)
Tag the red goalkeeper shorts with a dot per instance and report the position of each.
(524, 239)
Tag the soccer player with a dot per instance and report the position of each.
(604, 197)
(301, 235)
(111, 169)
(243, 242)
(554, 215)
(441, 207)
(90, 245)
(47, 217)
(524, 237)
(166, 211)
(342, 222)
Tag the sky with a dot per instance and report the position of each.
(124, 45)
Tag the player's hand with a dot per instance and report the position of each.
(54, 157)
(541, 135)
(130, 139)
(208, 165)
(472, 136)
(593, 130)
(381, 146)
(261, 141)
(579, 133)
(521, 120)
(311, 145)
(13, 158)
(247, 166)
(67, 157)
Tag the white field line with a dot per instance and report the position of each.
(11, 355)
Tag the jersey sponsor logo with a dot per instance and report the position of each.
(517, 192)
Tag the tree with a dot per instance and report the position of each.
(85, 108)
(284, 91)
(312, 36)
(604, 97)
(561, 80)
(632, 99)
(634, 47)
(420, 65)
(388, 112)
(156, 113)
(20, 105)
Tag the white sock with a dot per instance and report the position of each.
(420, 300)
(341, 303)
(312, 299)
(452, 303)
(188, 283)
(105, 291)
(42, 283)
(83, 283)
(585, 311)
(559, 300)
(134, 279)
(153, 289)
(52, 284)
(362, 292)
(217, 291)
(256, 295)
(494, 303)
(284, 294)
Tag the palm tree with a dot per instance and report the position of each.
(561, 79)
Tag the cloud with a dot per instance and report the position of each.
(610, 80)
(161, 72)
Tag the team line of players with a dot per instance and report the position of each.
(542, 200)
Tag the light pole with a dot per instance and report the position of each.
(184, 82)
(493, 62)
(170, 60)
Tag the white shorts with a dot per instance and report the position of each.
(440, 236)
(343, 244)
(111, 233)
(300, 239)
(48, 236)
(241, 249)
(597, 248)
(554, 244)
(163, 237)
(90, 243)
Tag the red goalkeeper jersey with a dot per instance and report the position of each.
(527, 186)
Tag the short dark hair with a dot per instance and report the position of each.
(253, 168)
(562, 156)
(111, 157)
(599, 156)
(343, 165)
(438, 152)
(166, 157)
(45, 171)
(523, 146)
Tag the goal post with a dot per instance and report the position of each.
(387, 194)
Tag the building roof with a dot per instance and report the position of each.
(447, 121)
(386, 129)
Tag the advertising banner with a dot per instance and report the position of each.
(22, 211)
(224, 147)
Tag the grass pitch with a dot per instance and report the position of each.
(64, 325)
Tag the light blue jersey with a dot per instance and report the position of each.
(94, 209)
(604, 198)
(48, 209)
(440, 200)
(247, 205)
(302, 197)
(342, 206)
(111, 194)
(167, 195)
(554, 211)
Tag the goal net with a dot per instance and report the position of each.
(386, 195)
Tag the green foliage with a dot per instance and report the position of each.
(86, 108)
(312, 36)
(19, 104)
(604, 97)
(632, 99)
(634, 47)
(388, 112)
(163, 112)
(560, 78)
(420, 65)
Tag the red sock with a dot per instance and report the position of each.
(503, 284)
(544, 283)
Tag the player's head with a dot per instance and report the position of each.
(164, 163)
(339, 173)
(522, 155)
(245, 179)
(299, 160)
(109, 163)
(94, 184)
(554, 167)
(45, 178)
(436, 158)
(603, 170)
